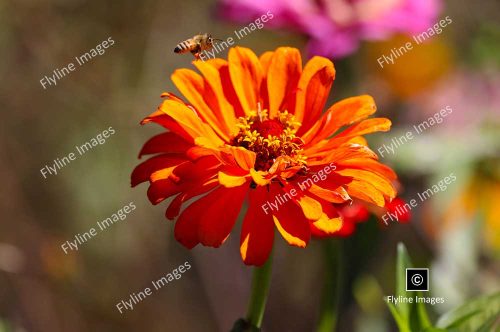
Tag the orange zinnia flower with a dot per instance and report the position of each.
(252, 129)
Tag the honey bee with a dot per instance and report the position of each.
(196, 44)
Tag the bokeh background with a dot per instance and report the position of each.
(456, 233)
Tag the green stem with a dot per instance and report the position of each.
(332, 289)
(260, 288)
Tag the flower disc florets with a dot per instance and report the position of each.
(271, 139)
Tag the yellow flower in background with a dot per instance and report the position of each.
(478, 200)
(414, 71)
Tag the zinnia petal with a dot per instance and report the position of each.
(246, 75)
(313, 89)
(377, 181)
(196, 189)
(290, 221)
(222, 109)
(165, 142)
(257, 233)
(189, 121)
(329, 223)
(197, 90)
(142, 172)
(342, 113)
(282, 79)
(219, 217)
(253, 126)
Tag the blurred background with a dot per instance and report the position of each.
(456, 232)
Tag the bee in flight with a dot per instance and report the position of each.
(196, 44)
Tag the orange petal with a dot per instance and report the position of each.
(246, 75)
(230, 92)
(162, 174)
(329, 223)
(360, 140)
(230, 180)
(219, 217)
(282, 78)
(337, 195)
(365, 191)
(167, 122)
(310, 207)
(380, 183)
(369, 165)
(223, 110)
(365, 127)
(143, 171)
(343, 113)
(189, 121)
(170, 95)
(197, 152)
(290, 220)
(258, 177)
(325, 154)
(257, 233)
(265, 60)
(243, 157)
(313, 89)
(196, 90)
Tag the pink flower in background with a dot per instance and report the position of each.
(335, 27)
(473, 95)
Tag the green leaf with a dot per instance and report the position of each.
(402, 324)
(489, 324)
(408, 316)
(423, 318)
(403, 262)
(433, 329)
(478, 314)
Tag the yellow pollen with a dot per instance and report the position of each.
(271, 138)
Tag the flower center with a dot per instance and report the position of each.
(268, 127)
(271, 139)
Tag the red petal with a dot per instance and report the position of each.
(142, 172)
(257, 234)
(186, 227)
(219, 217)
(165, 142)
(162, 189)
(197, 188)
(290, 220)
(397, 207)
